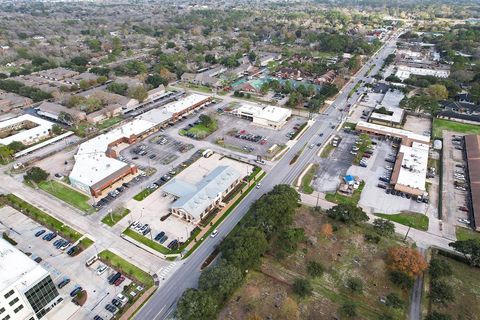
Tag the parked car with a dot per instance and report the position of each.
(39, 233)
(114, 278)
(101, 269)
(63, 283)
(214, 233)
(119, 281)
(97, 317)
(116, 303)
(382, 186)
(163, 239)
(159, 236)
(76, 290)
(111, 308)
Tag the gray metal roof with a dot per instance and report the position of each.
(195, 199)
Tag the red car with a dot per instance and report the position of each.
(119, 281)
(366, 155)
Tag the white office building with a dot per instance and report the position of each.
(26, 289)
(263, 115)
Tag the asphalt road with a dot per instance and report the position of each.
(162, 304)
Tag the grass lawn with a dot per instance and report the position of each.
(196, 87)
(326, 151)
(147, 241)
(349, 125)
(67, 194)
(466, 289)
(441, 124)
(85, 243)
(143, 194)
(267, 291)
(117, 215)
(466, 234)
(201, 130)
(126, 267)
(109, 122)
(307, 179)
(340, 198)
(415, 220)
(43, 218)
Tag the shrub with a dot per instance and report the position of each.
(355, 284)
(349, 309)
(439, 268)
(302, 287)
(394, 301)
(314, 269)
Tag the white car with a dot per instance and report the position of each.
(101, 269)
(214, 233)
(258, 186)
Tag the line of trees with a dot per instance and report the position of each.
(261, 229)
(19, 88)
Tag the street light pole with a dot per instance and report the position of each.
(406, 235)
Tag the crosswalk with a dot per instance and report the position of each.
(164, 271)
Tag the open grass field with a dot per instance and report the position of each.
(326, 151)
(340, 198)
(466, 234)
(267, 293)
(109, 122)
(307, 179)
(441, 124)
(66, 194)
(117, 215)
(466, 284)
(415, 220)
(126, 267)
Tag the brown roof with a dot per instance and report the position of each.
(472, 145)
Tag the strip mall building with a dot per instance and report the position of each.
(410, 169)
(96, 165)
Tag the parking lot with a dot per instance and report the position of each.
(380, 200)
(455, 181)
(62, 266)
(334, 167)
(242, 135)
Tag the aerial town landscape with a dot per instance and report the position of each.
(240, 159)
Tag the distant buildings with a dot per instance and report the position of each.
(472, 151)
(26, 288)
(10, 101)
(266, 116)
(26, 129)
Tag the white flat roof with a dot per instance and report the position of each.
(156, 115)
(394, 131)
(405, 71)
(413, 170)
(267, 112)
(41, 130)
(91, 163)
(16, 269)
(396, 116)
(185, 103)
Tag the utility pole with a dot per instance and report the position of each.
(406, 235)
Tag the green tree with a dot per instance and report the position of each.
(16, 146)
(347, 213)
(207, 121)
(221, 280)
(314, 269)
(94, 44)
(439, 268)
(355, 284)
(138, 93)
(156, 80)
(170, 45)
(441, 292)
(302, 287)
(118, 88)
(102, 79)
(36, 175)
(195, 305)
(435, 315)
(437, 92)
(383, 227)
(470, 249)
(5, 153)
(100, 71)
(84, 85)
(349, 309)
(56, 129)
(244, 248)
(394, 301)
(401, 279)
